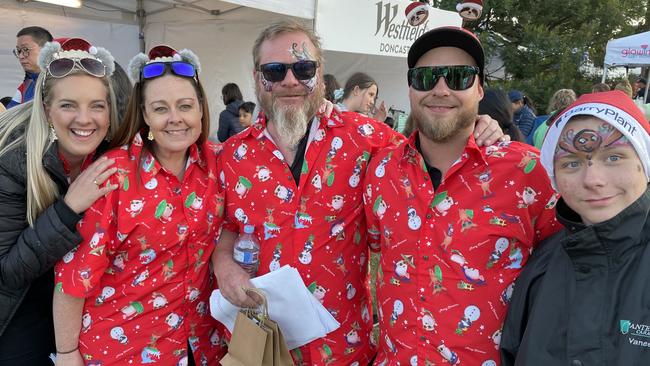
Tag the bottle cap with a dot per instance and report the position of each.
(248, 229)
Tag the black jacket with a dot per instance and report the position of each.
(229, 121)
(583, 298)
(28, 254)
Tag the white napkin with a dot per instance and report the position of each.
(301, 317)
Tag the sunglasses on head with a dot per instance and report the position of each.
(179, 68)
(62, 67)
(457, 77)
(277, 71)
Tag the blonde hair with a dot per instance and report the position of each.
(281, 28)
(27, 124)
(625, 87)
(560, 100)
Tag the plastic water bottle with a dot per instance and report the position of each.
(247, 251)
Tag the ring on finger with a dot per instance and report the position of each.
(95, 182)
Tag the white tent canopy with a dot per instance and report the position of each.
(220, 32)
(630, 51)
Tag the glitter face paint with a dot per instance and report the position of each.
(300, 55)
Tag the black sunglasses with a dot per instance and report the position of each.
(277, 71)
(460, 77)
(179, 68)
(62, 67)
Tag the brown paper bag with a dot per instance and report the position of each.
(281, 355)
(256, 340)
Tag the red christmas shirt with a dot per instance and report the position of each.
(318, 226)
(143, 265)
(449, 258)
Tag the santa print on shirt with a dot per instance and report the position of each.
(449, 257)
(143, 266)
(317, 226)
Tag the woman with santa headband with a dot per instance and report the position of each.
(48, 177)
(137, 288)
(583, 297)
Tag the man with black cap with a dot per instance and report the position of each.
(454, 222)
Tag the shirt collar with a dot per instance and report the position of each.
(472, 151)
(150, 167)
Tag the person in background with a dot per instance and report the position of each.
(558, 102)
(50, 173)
(523, 113)
(454, 222)
(640, 85)
(29, 42)
(625, 87)
(229, 118)
(246, 110)
(360, 95)
(332, 87)
(600, 87)
(495, 103)
(136, 289)
(122, 87)
(582, 298)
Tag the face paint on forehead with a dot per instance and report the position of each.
(587, 141)
(300, 54)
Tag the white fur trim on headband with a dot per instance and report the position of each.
(106, 58)
(621, 120)
(192, 58)
(135, 66)
(46, 55)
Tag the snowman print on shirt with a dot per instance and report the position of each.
(472, 313)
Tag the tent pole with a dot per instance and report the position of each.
(313, 24)
(646, 86)
(142, 16)
(604, 74)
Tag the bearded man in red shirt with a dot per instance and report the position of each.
(454, 222)
(296, 176)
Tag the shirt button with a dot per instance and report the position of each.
(428, 216)
(426, 257)
(576, 363)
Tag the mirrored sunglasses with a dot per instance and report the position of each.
(63, 67)
(457, 78)
(277, 71)
(179, 68)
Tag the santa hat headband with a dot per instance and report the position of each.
(613, 107)
(74, 48)
(161, 53)
(472, 4)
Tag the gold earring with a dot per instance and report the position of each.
(52, 136)
(150, 136)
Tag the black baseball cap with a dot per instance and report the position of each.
(448, 37)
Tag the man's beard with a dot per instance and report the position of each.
(441, 129)
(290, 121)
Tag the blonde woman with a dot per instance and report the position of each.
(47, 180)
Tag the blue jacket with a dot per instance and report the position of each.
(524, 119)
(25, 91)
